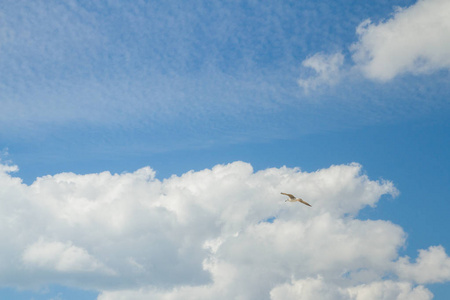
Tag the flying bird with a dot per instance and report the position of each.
(292, 198)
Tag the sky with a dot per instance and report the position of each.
(144, 146)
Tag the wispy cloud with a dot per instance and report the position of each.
(130, 63)
(202, 235)
(327, 70)
(183, 75)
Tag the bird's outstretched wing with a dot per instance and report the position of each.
(289, 195)
(304, 202)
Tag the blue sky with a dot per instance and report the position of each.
(167, 97)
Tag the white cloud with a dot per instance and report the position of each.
(432, 265)
(389, 290)
(202, 235)
(63, 257)
(414, 40)
(317, 288)
(327, 70)
(308, 288)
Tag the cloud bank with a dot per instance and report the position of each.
(220, 233)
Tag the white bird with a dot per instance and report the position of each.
(292, 198)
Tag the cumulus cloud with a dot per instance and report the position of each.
(61, 257)
(309, 288)
(387, 290)
(327, 70)
(432, 265)
(317, 288)
(414, 40)
(220, 233)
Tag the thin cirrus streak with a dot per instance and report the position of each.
(158, 71)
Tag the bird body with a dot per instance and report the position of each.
(292, 198)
